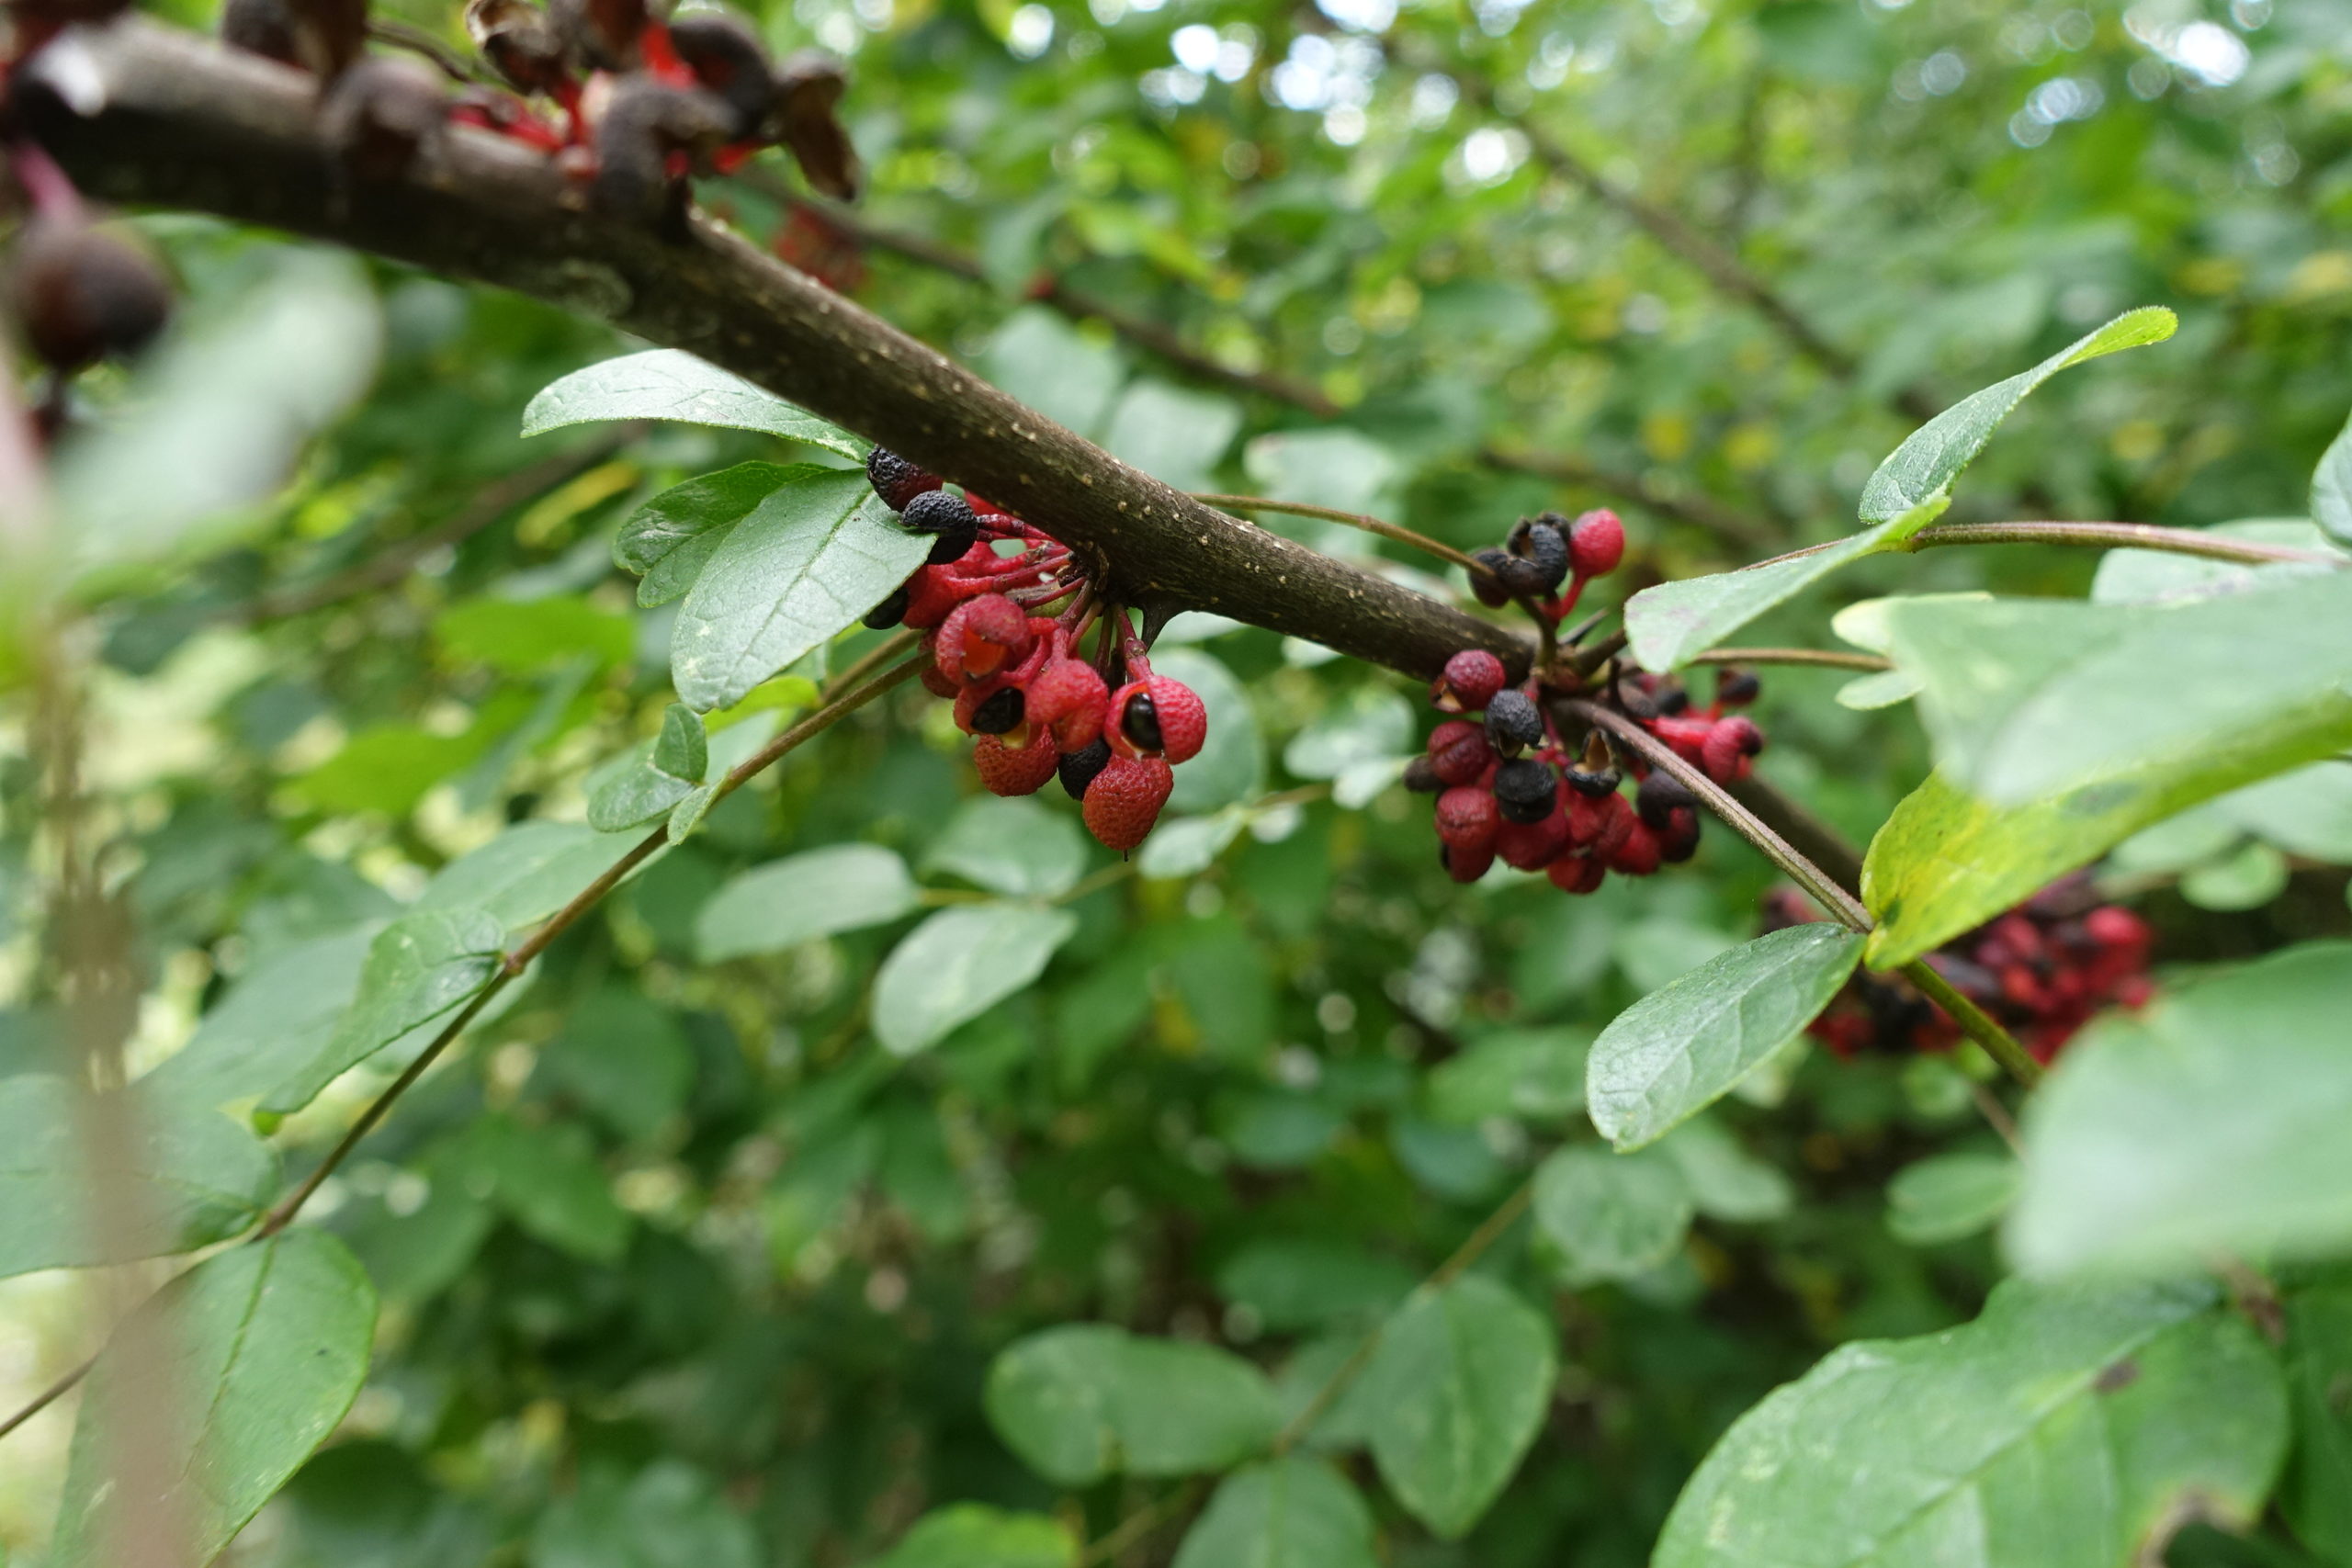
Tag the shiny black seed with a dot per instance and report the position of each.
(1141, 721)
(890, 612)
(1488, 585)
(999, 712)
(1077, 768)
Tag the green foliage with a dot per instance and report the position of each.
(1080, 1403)
(666, 384)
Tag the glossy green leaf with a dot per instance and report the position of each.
(270, 1025)
(195, 1177)
(2315, 1495)
(1672, 622)
(1612, 1216)
(2027, 698)
(2067, 1427)
(802, 897)
(259, 1351)
(650, 782)
(1945, 1197)
(973, 1535)
(1285, 1512)
(804, 565)
(957, 965)
(1725, 1180)
(667, 384)
(1462, 1378)
(421, 966)
(1684, 1046)
(1017, 847)
(527, 873)
(1087, 1400)
(2209, 1125)
(670, 539)
(1923, 467)
(2332, 489)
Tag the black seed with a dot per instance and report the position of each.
(1488, 585)
(1672, 700)
(1678, 840)
(1737, 688)
(1544, 542)
(1141, 722)
(1077, 768)
(952, 544)
(939, 511)
(1513, 723)
(1524, 578)
(1659, 797)
(999, 712)
(1526, 790)
(890, 612)
(1421, 776)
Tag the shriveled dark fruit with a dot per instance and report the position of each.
(1737, 688)
(1513, 722)
(644, 122)
(939, 511)
(891, 611)
(1659, 797)
(1671, 700)
(1524, 578)
(604, 34)
(1577, 873)
(1465, 865)
(998, 712)
(519, 41)
(727, 59)
(1421, 776)
(1678, 839)
(897, 479)
(1595, 772)
(1488, 585)
(81, 294)
(260, 27)
(1526, 790)
(1079, 768)
(380, 115)
(1459, 752)
(806, 118)
(1545, 541)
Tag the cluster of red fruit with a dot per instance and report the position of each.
(1010, 662)
(1514, 788)
(2042, 970)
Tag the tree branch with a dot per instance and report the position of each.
(171, 120)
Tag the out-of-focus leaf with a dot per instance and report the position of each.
(195, 1177)
(664, 383)
(1016, 847)
(524, 637)
(1682, 1047)
(1948, 1448)
(802, 897)
(547, 1179)
(973, 1535)
(1462, 1377)
(957, 965)
(2307, 812)
(2168, 576)
(2332, 489)
(1231, 766)
(1533, 1073)
(1087, 1400)
(1285, 1512)
(420, 967)
(1946, 1197)
(625, 1058)
(1612, 1216)
(1726, 1181)
(668, 1516)
(277, 1017)
(1302, 1282)
(1370, 724)
(259, 1351)
(805, 564)
(2315, 1493)
(2206, 1125)
(1172, 433)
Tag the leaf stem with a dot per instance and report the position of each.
(1369, 524)
(1823, 658)
(1998, 1043)
(1140, 1524)
(48, 1397)
(2121, 536)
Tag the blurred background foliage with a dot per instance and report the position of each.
(679, 1263)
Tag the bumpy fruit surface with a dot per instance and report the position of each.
(980, 637)
(1157, 717)
(1730, 749)
(1069, 698)
(1005, 771)
(1472, 677)
(1458, 753)
(1125, 800)
(1466, 817)
(896, 480)
(1532, 846)
(1513, 723)
(1526, 790)
(1596, 543)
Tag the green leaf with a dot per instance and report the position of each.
(1726, 1181)
(1015, 847)
(668, 1516)
(262, 1348)
(194, 1177)
(1537, 1074)
(2168, 576)
(2067, 1427)
(525, 873)
(973, 1535)
(623, 1057)
(1369, 724)
(1462, 1378)
(2248, 879)
(2212, 1123)
(670, 539)
(2307, 812)
(1085, 1400)
(277, 1016)
(1294, 1283)
(1285, 1512)
(525, 636)
(548, 1181)
(2315, 1495)
(1231, 766)
(1684, 1046)
(654, 779)
(1612, 1216)
(420, 966)
(1174, 435)
(1186, 846)
(1923, 467)
(1946, 1197)
(1675, 620)
(2332, 489)
(806, 564)
(804, 896)
(2027, 698)
(957, 965)
(664, 383)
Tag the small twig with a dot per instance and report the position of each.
(1116, 871)
(1998, 1043)
(2122, 536)
(1997, 1116)
(1140, 1524)
(1370, 524)
(1825, 658)
(48, 1397)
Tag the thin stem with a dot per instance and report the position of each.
(2122, 536)
(1117, 872)
(1370, 524)
(1825, 657)
(1140, 1524)
(1998, 1043)
(1997, 1116)
(48, 1397)
(1842, 906)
